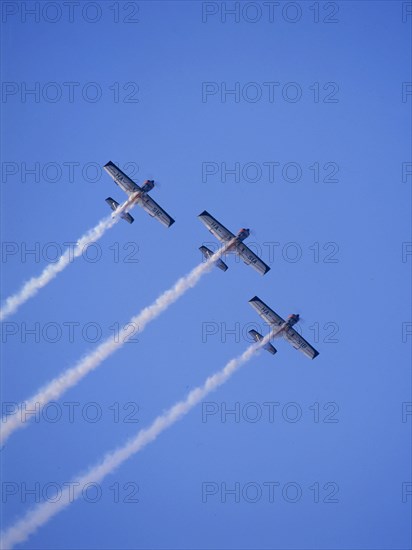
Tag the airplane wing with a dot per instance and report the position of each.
(251, 259)
(123, 181)
(215, 227)
(265, 312)
(154, 210)
(299, 343)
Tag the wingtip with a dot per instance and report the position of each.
(315, 355)
(204, 213)
(253, 299)
(172, 221)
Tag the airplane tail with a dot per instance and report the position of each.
(208, 253)
(114, 205)
(257, 337)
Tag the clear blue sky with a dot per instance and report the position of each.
(175, 134)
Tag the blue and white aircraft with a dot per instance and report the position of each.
(141, 196)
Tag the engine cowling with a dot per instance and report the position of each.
(243, 234)
(148, 185)
(293, 319)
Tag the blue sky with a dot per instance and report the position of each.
(350, 281)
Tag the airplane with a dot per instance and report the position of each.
(285, 329)
(142, 198)
(224, 235)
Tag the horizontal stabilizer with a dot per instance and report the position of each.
(258, 338)
(208, 254)
(127, 217)
(114, 205)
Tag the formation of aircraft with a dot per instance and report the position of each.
(279, 326)
(141, 196)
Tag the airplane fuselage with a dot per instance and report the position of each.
(240, 237)
(144, 190)
(291, 320)
(136, 196)
(284, 328)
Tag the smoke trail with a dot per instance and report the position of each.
(37, 517)
(54, 389)
(32, 286)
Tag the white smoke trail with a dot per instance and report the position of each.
(54, 389)
(34, 284)
(39, 516)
